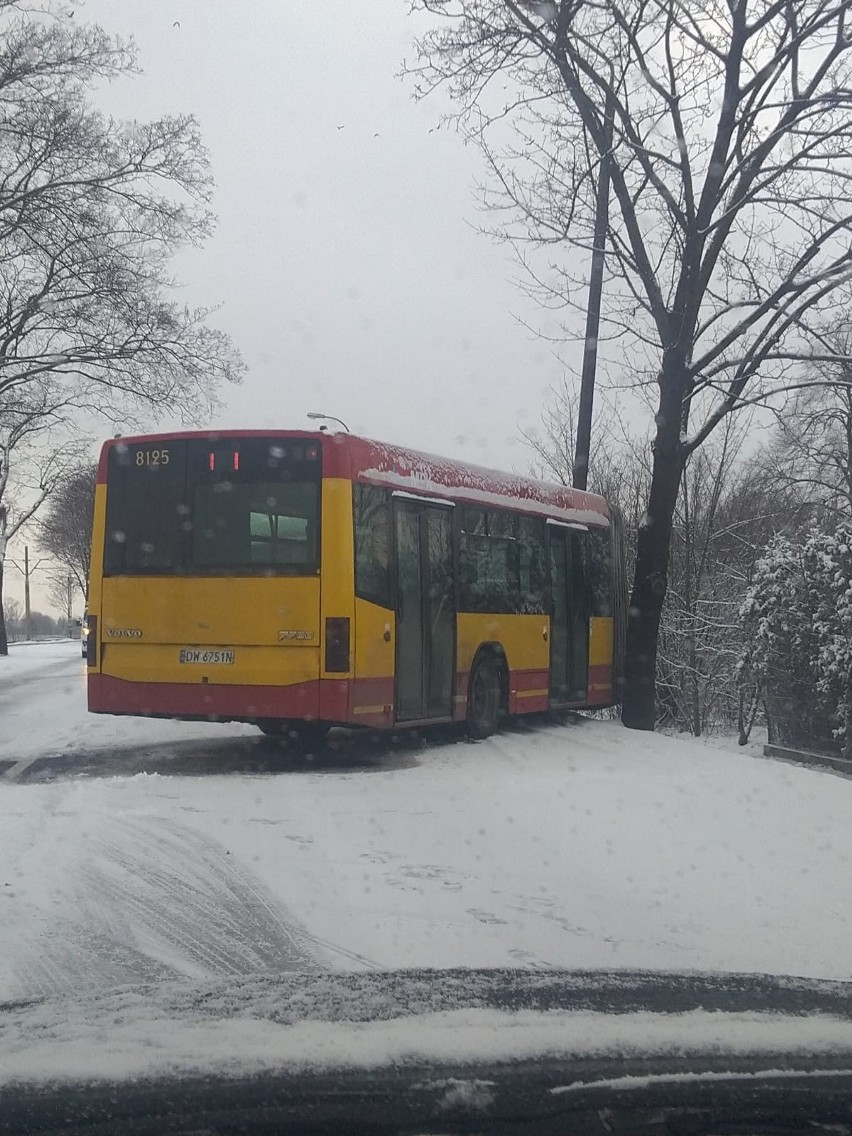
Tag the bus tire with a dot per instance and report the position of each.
(484, 697)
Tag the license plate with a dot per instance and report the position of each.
(196, 655)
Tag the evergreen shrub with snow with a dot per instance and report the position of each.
(797, 618)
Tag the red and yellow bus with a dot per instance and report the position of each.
(300, 580)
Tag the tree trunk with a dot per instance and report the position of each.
(652, 560)
(696, 723)
(771, 732)
(690, 589)
(4, 642)
(745, 721)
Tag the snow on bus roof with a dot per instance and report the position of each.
(416, 472)
(427, 474)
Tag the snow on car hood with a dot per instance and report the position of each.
(297, 1022)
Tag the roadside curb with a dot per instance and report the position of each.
(807, 757)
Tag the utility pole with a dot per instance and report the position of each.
(69, 601)
(28, 619)
(26, 569)
(593, 311)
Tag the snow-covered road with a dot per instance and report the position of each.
(134, 850)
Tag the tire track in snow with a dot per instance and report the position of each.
(153, 901)
(31, 684)
(22, 701)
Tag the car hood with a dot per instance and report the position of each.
(472, 1039)
(329, 1020)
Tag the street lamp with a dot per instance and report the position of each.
(329, 418)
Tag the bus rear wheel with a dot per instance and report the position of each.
(484, 698)
(294, 733)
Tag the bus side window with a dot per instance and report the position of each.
(372, 544)
(531, 565)
(488, 562)
(473, 560)
(598, 564)
(473, 522)
(503, 544)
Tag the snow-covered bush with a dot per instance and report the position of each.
(797, 619)
(828, 564)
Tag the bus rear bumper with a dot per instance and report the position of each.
(325, 699)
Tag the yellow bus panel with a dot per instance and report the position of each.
(252, 665)
(212, 610)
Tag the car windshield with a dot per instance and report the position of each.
(425, 534)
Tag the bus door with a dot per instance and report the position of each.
(569, 614)
(425, 623)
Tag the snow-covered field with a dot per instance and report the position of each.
(134, 850)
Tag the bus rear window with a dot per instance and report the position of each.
(213, 505)
(256, 525)
(146, 508)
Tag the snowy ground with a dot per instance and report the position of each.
(135, 850)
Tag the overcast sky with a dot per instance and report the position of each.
(345, 260)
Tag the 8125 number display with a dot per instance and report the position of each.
(152, 457)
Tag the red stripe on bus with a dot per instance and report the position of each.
(109, 695)
(520, 682)
(372, 701)
(332, 700)
(530, 680)
(600, 685)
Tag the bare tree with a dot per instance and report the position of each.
(619, 468)
(65, 532)
(729, 255)
(33, 462)
(699, 631)
(12, 616)
(552, 442)
(91, 211)
(729, 507)
(62, 588)
(811, 453)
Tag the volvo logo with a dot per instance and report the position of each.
(125, 632)
(288, 635)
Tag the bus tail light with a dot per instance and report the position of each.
(337, 645)
(91, 641)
